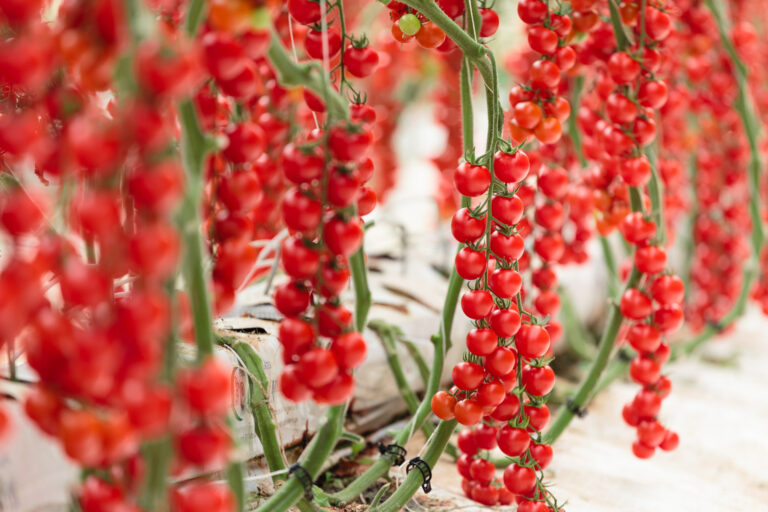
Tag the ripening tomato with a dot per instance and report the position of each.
(476, 304)
(538, 417)
(332, 320)
(485, 493)
(466, 228)
(349, 144)
(342, 237)
(542, 39)
(203, 445)
(313, 43)
(206, 389)
(443, 405)
(482, 470)
(635, 305)
(652, 94)
(507, 247)
(505, 282)
(349, 350)
(670, 442)
(507, 409)
(636, 229)
(305, 12)
(502, 361)
(623, 68)
(532, 11)
(336, 392)
(203, 497)
(317, 367)
(668, 289)
(470, 264)
(481, 341)
(642, 451)
(472, 180)
(511, 168)
(298, 258)
(360, 61)
(292, 385)
(644, 370)
(468, 412)
(650, 259)
(489, 22)
(532, 341)
(505, 322)
(644, 337)
(538, 380)
(467, 375)
(490, 394)
(430, 36)
(527, 114)
(465, 441)
(513, 441)
(542, 454)
(246, 143)
(520, 480)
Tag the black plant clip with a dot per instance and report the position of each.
(395, 450)
(303, 476)
(424, 469)
(571, 406)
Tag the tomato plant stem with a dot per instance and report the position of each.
(362, 291)
(582, 396)
(435, 447)
(441, 341)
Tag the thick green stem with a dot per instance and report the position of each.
(610, 264)
(579, 341)
(573, 126)
(259, 403)
(387, 334)
(584, 393)
(435, 447)
(310, 76)
(441, 342)
(655, 191)
(312, 461)
(194, 147)
(604, 349)
(362, 292)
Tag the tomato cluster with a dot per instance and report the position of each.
(322, 212)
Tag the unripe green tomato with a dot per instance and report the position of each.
(409, 24)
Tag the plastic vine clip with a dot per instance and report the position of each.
(303, 476)
(395, 450)
(424, 469)
(570, 404)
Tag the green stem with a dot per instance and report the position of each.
(194, 147)
(441, 342)
(312, 461)
(413, 352)
(622, 39)
(585, 390)
(293, 74)
(387, 334)
(655, 191)
(610, 263)
(576, 336)
(259, 403)
(573, 127)
(604, 349)
(435, 447)
(467, 122)
(362, 291)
